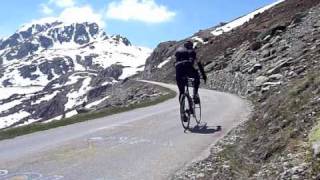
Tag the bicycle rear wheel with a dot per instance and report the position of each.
(197, 112)
(185, 111)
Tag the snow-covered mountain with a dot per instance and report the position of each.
(56, 65)
(37, 54)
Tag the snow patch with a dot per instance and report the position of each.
(29, 121)
(106, 83)
(9, 105)
(240, 21)
(54, 119)
(97, 102)
(72, 80)
(12, 118)
(46, 98)
(164, 62)
(76, 98)
(198, 39)
(71, 113)
(42, 21)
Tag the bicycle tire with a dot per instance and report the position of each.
(185, 111)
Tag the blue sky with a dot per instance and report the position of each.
(144, 22)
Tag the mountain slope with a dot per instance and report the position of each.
(41, 53)
(273, 60)
(49, 69)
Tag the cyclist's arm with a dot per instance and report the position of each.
(204, 76)
(175, 59)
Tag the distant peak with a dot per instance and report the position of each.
(122, 39)
(40, 22)
(46, 23)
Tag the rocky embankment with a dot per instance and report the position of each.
(280, 74)
(124, 94)
(278, 71)
(110, 96)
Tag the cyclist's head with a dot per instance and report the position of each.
(188, 44)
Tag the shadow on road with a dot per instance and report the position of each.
(205, 129)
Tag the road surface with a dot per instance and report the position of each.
(147, 143)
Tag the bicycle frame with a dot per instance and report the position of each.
(191, 109)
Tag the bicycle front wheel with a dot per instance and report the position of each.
(185, 111)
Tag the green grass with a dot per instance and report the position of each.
(315, 134)
(312, 80)
(28, 129)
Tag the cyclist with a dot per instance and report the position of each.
(186, 58)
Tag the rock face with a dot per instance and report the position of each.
(273, 60)
(63, 63)
(163, 52)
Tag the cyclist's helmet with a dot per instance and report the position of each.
(188, 44)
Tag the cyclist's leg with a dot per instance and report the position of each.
(180, 81)
(195, 74)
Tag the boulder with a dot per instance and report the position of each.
(272, 83)
(209, 67)
(267, 38)
(255, 45)
(317, 24)
(84, 110)
(275, 30)
(282, 48)
(278, 66)
(297, 19)
(255, 68)
(113, 71)
(276, 39)
(266, 46)
(259, 81)
(265, 53)
(275, 77)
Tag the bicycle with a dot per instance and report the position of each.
(188, 107)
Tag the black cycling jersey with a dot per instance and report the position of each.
(185, 56)
(185, 59)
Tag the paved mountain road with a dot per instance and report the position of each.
(146, 143)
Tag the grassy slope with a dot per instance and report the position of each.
(279, 128)
(28, 129)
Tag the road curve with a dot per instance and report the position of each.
(146, 143)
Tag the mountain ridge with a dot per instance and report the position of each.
(65, 65)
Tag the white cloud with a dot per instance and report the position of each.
(45, 9)
(63, 3)
(139, 10)
(72, 15)
(81, 14)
